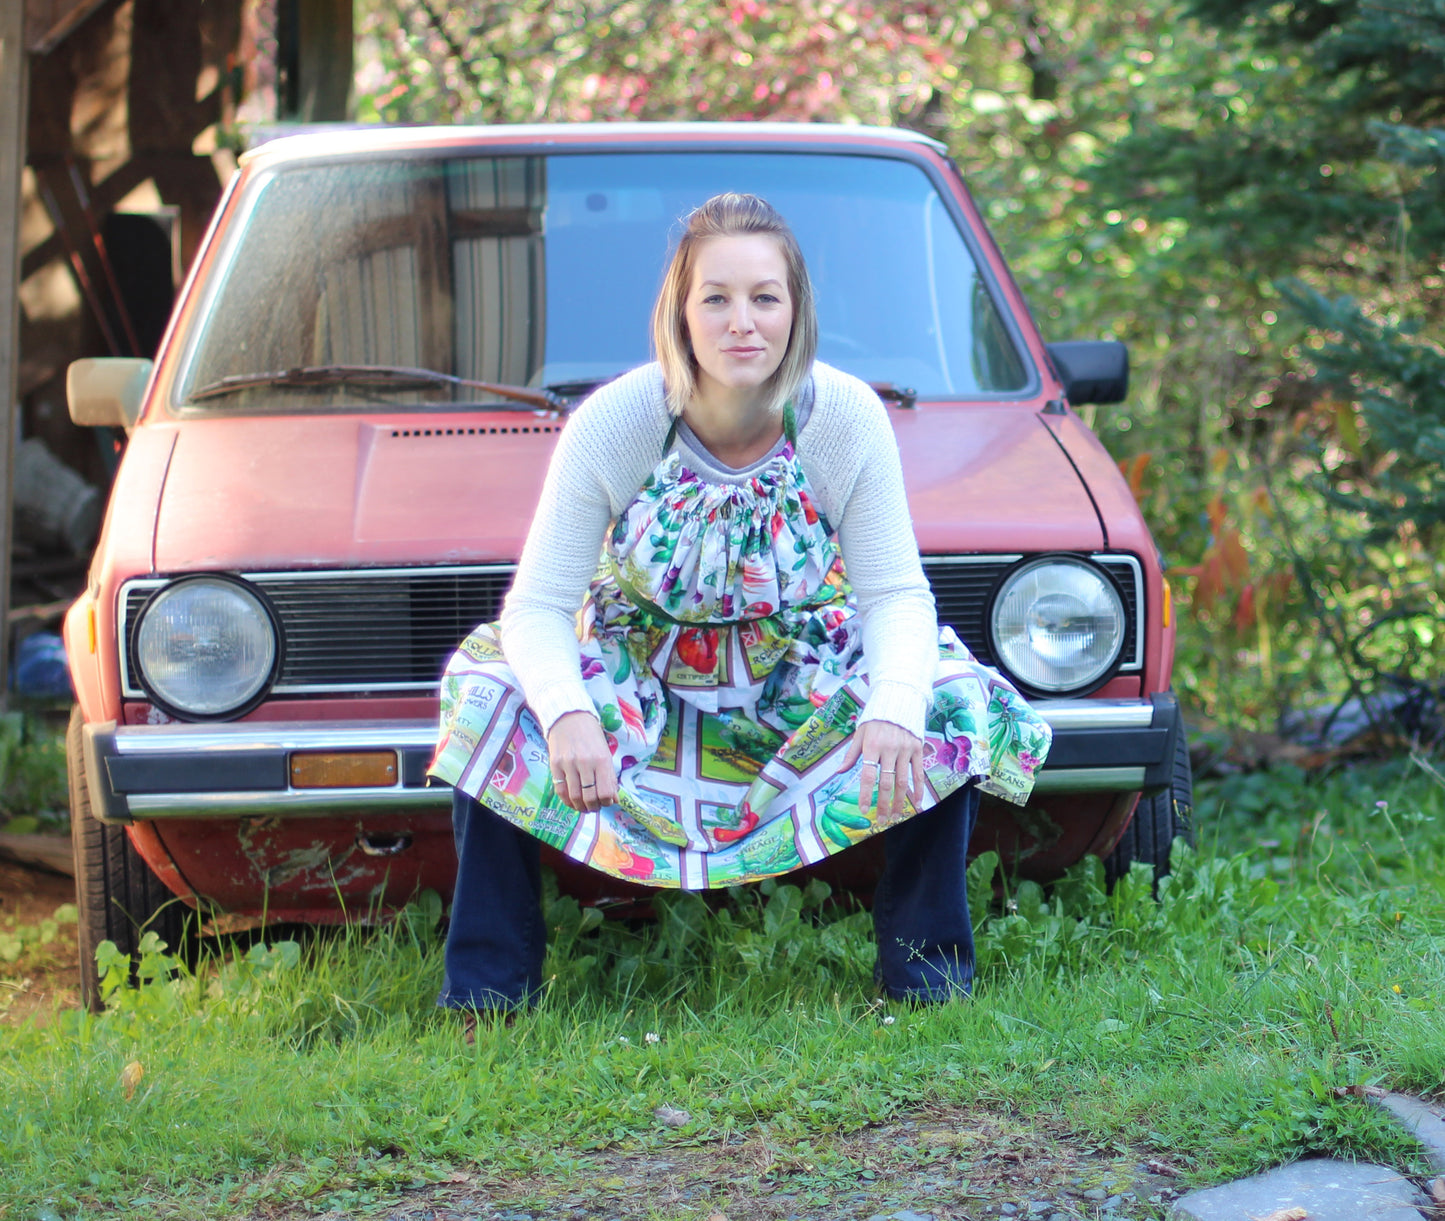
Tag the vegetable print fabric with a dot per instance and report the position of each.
(722, 650)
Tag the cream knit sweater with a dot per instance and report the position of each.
(609, 447)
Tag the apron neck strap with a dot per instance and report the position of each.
(790, 428)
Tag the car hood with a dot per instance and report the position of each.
(280, 492)
(258, 493)
(991, 478)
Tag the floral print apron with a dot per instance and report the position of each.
(721, 646)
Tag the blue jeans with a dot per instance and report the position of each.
(497, 937)
(920, 907)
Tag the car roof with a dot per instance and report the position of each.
(325, 143)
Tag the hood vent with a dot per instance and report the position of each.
(492, 431)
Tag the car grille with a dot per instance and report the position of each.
(393, 630)
(390, 630)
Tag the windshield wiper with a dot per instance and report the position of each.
(391, 376)
(904, 396)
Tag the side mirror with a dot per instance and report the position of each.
(107, 391)
(1092, 370)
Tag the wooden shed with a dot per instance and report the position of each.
(116, 126)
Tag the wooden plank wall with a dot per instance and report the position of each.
(119, 92)
(14, 93)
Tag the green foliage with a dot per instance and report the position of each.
(599, 59)
(33, 794)
(1387, 580)
(17, 940)
(1314, 171)
(1398, 383)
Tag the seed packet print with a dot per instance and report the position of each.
(721, 648)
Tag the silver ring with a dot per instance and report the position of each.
(888, 771)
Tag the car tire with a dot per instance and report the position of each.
(1158, 820)
(118, 898)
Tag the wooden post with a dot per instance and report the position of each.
(314, 59)
(14, 96)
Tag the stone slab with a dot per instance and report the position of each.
(1326, 1189)
(1426, 1123)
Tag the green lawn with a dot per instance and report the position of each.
(1301, 950)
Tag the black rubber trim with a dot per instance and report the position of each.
(242, 771)
(1151, 748)
(1168, 718)
(413, 768)
(1110, 748)
(1078, 474)
(106, 805)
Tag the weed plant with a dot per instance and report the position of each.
(1299, 952)
(33, 794)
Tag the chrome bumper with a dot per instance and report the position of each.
(243, 768)
(1120, 746)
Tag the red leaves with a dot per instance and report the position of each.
(1235, 582)
(1133, 472)
(1244, 611)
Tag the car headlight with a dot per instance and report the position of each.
(1058, 624)
(206, 646)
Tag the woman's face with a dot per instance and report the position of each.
(739, 312)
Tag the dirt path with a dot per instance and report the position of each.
(945, 1164)
(45, 976)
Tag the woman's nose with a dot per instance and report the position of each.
(741, 320)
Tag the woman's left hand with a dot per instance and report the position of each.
(892, 762)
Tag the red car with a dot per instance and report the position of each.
(332, 461)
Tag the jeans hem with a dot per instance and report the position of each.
(494, 1004)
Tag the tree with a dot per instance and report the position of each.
(1317, 166)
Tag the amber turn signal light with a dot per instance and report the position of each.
(358, 769)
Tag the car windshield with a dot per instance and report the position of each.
(540, 271)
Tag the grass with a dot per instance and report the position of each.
(1300, 951)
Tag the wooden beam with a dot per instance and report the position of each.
(14, 99)
(314, 59)
(49, 22)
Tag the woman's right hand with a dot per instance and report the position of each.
(582, 769)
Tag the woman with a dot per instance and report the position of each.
(756, 679)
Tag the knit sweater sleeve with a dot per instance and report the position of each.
(851, 454)
(603, 456)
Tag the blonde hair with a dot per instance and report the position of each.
(731, 215)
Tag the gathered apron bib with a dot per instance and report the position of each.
(721, 647)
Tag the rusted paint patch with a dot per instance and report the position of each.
(1041, 831)
(276, 868)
